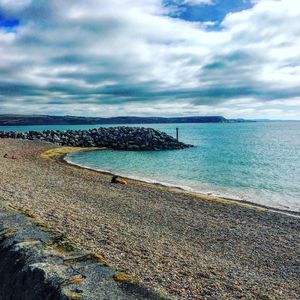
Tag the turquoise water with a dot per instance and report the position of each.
(258, 162)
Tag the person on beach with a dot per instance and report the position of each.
(115, 179)
(12, 157)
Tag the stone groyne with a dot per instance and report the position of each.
(118, 138)
(37, 263)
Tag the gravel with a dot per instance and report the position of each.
(187, 246)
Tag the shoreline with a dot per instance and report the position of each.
(185, 246)
(174, 188)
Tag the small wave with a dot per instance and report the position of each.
(161, 182)
(186, 188)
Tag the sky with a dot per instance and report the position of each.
(236, 58)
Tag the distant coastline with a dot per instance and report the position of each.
(24, 120)
(28, 120)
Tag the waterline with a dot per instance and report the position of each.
(256, 163)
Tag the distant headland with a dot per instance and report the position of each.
(16, 119)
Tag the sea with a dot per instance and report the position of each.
(256, 162)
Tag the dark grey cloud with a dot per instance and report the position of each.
(129, 57)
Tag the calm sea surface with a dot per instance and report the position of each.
(258, 162)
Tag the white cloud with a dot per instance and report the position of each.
(197, 2)
(129, 57)
(14, 5)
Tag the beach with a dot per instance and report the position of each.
(187, 246)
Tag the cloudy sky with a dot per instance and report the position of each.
(237, 58)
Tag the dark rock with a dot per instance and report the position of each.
(37, 263)
(119, 138)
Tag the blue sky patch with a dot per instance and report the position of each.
(215, 12)
(9, 24)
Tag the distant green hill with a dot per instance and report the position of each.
(14, 120)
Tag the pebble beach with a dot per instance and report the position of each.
(186, 246)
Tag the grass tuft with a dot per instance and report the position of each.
(76, 280)
(73, 295)
(121, 277)
(62, 244)
(8, 234)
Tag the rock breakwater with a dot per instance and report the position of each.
(118, 138)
